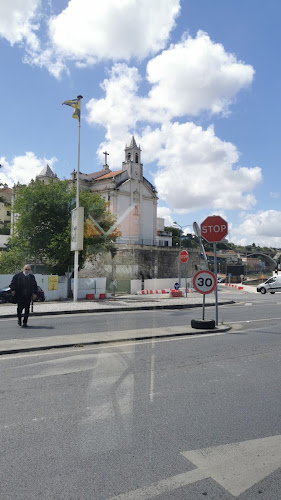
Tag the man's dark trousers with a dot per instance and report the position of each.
(23, 304)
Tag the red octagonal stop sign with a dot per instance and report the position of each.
(184, 256)
(214, 228)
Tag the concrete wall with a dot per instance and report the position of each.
(158, 284)
(91, 286)
(59, 294)
(42, 280)
(85, 286)
(136, 286)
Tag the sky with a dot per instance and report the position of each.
(197, 82)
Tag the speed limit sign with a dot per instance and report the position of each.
(204, 282)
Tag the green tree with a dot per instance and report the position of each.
(43, 225)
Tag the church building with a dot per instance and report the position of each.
(131, 197)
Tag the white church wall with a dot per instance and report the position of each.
(149, 230)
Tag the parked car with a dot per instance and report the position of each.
(271, 285)
(221, 280)
(6, 295)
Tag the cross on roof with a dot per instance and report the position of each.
(106, 154)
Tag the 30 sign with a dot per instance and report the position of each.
(204, 282)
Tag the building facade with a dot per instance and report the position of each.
(5, 215)
(131, 197)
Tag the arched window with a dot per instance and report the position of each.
(137, 158)
(128, 156)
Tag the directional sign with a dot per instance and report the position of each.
(204, 282)
(236, 467)
(184, 256)
(214, 228)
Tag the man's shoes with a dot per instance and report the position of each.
(19, 322)
(24, 325)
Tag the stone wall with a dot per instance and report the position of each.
(126, 262)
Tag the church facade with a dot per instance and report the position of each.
(131, 197)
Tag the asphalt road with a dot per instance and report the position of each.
(185, 418)
(248, 307)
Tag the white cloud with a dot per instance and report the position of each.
(90, 30)
(22, 168)
(202, 168)
(261, 228)
(87, 31)
(165, 213)
(17, 21)
(196, 75)
(191, 77)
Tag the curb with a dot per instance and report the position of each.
(217, 329)
(118, 309)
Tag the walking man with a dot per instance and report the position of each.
(24, 288)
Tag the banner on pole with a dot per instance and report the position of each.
(77, 228)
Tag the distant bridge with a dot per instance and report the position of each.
(269, 259)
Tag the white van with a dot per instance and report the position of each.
(271, 285)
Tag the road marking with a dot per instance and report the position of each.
(253, 320)
(236, 467)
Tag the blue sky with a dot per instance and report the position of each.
(197, 82)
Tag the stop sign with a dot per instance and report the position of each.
(214, 228)
(184, 256)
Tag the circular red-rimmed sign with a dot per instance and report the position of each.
(204, 282)
(184, 256)
(214, 228)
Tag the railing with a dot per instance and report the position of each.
(142, 242)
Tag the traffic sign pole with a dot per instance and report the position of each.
(183, 259)
(213, 229)
(204, 282)
(216, 289)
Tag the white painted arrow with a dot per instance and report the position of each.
(236, 467)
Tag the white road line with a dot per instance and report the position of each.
(253, 320)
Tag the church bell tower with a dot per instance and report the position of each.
(132, 161)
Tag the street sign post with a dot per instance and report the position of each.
(204, 282)
(213, 229)
(197, 232)
(184, 258)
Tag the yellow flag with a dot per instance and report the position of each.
(74, 103)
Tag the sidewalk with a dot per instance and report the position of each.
(124, 303)
(120, 303)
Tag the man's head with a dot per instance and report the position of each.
(27, 269)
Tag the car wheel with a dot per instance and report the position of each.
(263, 290)
(203, 324)
(272, 292)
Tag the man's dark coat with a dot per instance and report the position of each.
(24, 286)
